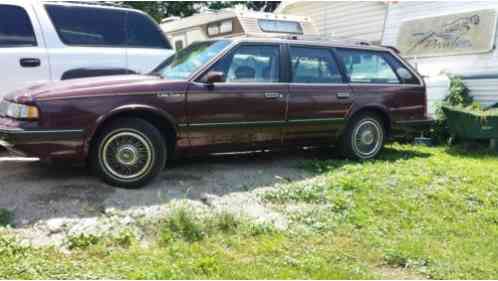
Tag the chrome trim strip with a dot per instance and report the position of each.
(158, 93)
(253, 123)
(316, 120)
(48, 131)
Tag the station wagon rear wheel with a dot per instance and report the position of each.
(364, 137)
(129, 153)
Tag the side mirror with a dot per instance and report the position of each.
(215, 77)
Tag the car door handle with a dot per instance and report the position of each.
(343, 95)
(30, 62)
(273, 95)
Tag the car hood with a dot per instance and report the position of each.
(85, 87)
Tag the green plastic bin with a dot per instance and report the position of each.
(469, 125)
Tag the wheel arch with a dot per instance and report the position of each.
(157, 117)
(379, 110)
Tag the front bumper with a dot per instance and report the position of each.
(42, 143)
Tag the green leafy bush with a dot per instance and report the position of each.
(6, 217)
(459, 96)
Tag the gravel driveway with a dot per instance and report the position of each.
(37, 192)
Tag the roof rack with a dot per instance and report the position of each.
(94, 3)
(324, 39)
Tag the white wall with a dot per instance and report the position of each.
(353, 20)
(468, 66)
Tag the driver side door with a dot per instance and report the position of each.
(244, 111)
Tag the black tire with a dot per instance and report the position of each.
(364, 137)
(128, 153)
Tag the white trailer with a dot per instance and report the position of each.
(360, 20)
(448, 37)
(232, 23)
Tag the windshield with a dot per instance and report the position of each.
(181, 65)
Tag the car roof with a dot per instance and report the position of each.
(325, 42)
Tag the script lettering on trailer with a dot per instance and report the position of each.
(463, 33)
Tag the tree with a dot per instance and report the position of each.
(263, 6)
(162, 9)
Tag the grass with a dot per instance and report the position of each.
(416, 212)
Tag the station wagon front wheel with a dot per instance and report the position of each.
(364, 138)
(129, 153)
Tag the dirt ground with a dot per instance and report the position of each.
(41, 194)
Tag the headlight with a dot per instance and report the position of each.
(18, 111)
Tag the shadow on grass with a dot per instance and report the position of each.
(473, 150)
(389, 154)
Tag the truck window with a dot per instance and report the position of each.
(363, 66)
(313, 65)
(15, 27)
(88, 26)
(143, 32)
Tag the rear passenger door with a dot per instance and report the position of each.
(319, 98)
(23, 55)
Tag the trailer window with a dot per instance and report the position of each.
(178, 45)
(280, 26)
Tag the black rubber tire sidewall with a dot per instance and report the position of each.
(346, 145)
(147, 131)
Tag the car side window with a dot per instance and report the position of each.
(251, 63)
(16, 29)
(143, 32)
(88, 26)
(313, 65)
(404, 74)
(364, 66)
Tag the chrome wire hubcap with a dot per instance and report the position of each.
(367, 138)
(127, 155)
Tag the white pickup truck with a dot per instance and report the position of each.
(48, 41)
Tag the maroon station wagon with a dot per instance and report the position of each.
(220, 96)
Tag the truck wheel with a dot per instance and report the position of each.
(364, 137)
(128, 153)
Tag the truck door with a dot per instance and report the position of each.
(23, 54)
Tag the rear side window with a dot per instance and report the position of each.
(15, 27)
(143, 32)
(404, 74)
(313, 65)
(88, 26)
(364, 66)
